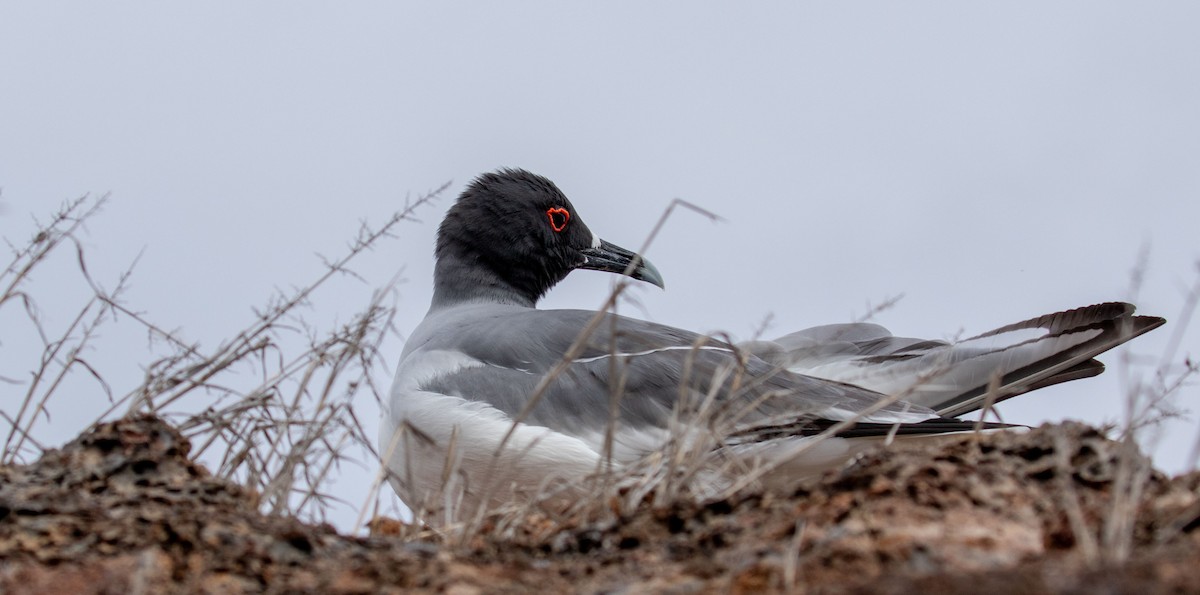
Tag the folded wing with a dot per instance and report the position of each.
(954, 378)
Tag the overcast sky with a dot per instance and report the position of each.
(989, 162)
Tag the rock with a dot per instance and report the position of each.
(122, 509)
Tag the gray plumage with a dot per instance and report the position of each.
(487, 406)
(1023, 356)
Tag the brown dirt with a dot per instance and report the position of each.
(123, 510)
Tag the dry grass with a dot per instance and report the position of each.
(270, 415)
(283, 433)
(691, 459)
(61, 351)
(1149, 402)
(280, 420)
(689, 465)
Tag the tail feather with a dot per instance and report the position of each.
(954, 378)
(1088, 369)
(1059, 366)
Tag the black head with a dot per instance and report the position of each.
(512, 235)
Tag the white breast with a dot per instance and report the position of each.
(444, 452)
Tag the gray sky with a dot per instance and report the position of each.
(990, 162)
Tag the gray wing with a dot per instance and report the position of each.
(649, 370)
(953, 379)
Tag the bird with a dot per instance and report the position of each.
(494, 399)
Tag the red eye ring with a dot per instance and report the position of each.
(559, 217)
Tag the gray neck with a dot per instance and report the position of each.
(454, 282)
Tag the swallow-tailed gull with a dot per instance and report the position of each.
(493, 398)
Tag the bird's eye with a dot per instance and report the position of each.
(558, 218)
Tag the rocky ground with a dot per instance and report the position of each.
(122, 509)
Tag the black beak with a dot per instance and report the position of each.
(615, 259)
